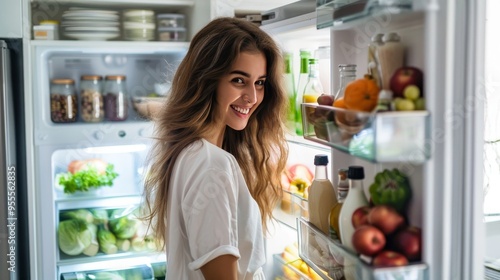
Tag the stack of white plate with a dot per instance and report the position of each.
(90, 24)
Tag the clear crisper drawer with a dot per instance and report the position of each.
(105, 171)
(143, 272)
(328, 258)
(103, 233)
(377, 137)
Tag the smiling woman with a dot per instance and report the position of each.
(215, 168)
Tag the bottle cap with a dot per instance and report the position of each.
(377, 37)
(391, 37)
(356, 172)
(321, 160)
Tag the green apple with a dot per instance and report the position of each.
(405, 105)
(420, 104)
(411, 92)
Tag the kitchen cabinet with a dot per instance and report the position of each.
(11, 19)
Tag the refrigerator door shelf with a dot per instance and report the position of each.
(376, 137)
(333, 261)
(341, 13)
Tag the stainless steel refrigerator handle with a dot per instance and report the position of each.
(8, 186)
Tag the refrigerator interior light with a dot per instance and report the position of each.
(116, 149)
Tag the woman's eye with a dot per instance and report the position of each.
(238, 80)
(260, 83)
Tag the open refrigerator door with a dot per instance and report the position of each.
(417, 141)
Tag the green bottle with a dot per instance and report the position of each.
(301, 84)
(290, 89)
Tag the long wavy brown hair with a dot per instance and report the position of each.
(190, 111)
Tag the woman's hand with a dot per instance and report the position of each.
(224, 267)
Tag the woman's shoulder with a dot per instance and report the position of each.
(203, 153)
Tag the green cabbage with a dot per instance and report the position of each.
(73, 236)
(123, 227)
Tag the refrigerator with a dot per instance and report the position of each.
(439, 148)
(86, 171)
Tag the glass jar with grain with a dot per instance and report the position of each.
(91, 98)
(63, 106)
(115, 98)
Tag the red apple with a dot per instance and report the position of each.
(368, 240)
(405, 76)
(389, 258)
(386, 218)
(360, 216)
(408, 242)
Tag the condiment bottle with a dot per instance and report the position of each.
(373, 60)
(91, 99)
(290, 89)
(301, 84)
(347, 74)
(63, 106)
(391, 57)
(355, 199)
(321, 195)
(115, 99)
(342, 191)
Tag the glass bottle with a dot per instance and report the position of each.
(347, 75)
(312, 91)
(391, 57)
(342, 191)
(91, 99)
(115, 99)
(321, 195)
(313, 88)
(63, 101)
(355, 199)
(290, 89)
(301, 84)
(373, 60)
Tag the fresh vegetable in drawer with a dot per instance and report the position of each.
(84, 175)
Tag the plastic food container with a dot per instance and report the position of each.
(171, 34)
(142, 16)
(47, 30)
(170, 20)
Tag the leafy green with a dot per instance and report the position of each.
(73, 236)
(84, 180)
(79, 214)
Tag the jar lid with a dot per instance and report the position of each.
(179, 29)
(115, 77)
(49, 22)
(63, 81)
(91, 77)
(160, 16)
